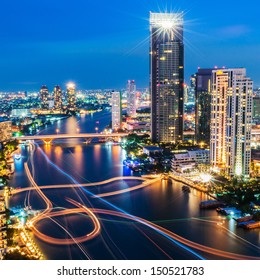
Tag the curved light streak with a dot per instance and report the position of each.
(143, 185)
(115, 207)
(64, 186)
(174, 238)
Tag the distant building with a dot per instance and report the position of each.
(231, 122)
(131, 98)
(202, 105)
(256, 107)
(57, 98)
(44, 96)
(166, 76)
(5, 131)
(71, 97)
(116, 110)
(20, 113)
(51, 104)
(191, 89)
(185, 93)
(255, 136)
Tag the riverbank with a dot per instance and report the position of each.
(192, 184)
(163, 203)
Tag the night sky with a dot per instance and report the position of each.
(102, 43)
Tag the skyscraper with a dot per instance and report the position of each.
(71, 96)
(231, 116)
(131, 98)
(57, 98)
(44, 96)
(116, 110)
(202, 105)
(166, 76)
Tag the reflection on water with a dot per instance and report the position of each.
(163, 202)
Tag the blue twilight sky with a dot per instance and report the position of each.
(103, 43)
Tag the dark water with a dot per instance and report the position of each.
(163, 203)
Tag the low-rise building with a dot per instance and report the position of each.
(183, 160)
(140, 126)
(152, 150)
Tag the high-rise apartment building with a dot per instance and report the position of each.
(44, 96)
(203, 105)
(57, 98)
(131, 98)
(231, 116)
(71, 97)
(166, 76)
(116, 110)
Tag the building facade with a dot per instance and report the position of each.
(256, 107)
(44, 96)
(57, 98)
(116, 110)
(131, 98)
(166, 76)
(189, 160)
(5, 131)
(203, 105)
(231, 122)
(3, 234)
(71, 97)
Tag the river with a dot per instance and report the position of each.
(122, 236)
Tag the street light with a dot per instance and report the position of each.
(78, 130)
(57, 130)
(96, 128)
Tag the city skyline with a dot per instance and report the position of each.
(57, 51)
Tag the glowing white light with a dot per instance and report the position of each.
(205, 178)
(166, 21)
(238, 171)
(71, 85)
(167, 24)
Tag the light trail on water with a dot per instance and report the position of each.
(177, 240)
(195, 254)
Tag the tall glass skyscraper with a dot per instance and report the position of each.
(202, 105)
(166, 76)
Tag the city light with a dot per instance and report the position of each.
(71, 85)
(167, 24)
(166, 20)
(71, 156)
(205, 178)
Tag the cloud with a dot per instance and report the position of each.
(234, 31)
